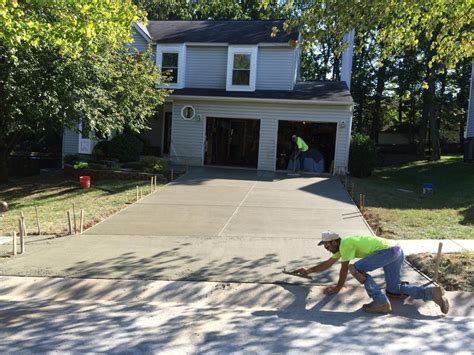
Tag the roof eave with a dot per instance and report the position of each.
(269, 100)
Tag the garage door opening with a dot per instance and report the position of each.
(320, 137)
(232, 142)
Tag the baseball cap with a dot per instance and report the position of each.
(328, 236)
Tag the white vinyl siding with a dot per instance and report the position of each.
(70, 142)
(276, 68)
(206, 67)
(188, 136)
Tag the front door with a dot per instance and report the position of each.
(167, 133)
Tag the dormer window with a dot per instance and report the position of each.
(170, 66)
(241, 68)
(171, 61)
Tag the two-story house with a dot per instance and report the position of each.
(237, 98)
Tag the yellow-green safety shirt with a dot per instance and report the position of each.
(301, 144)
(353, 247)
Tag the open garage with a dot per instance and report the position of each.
(319, 136)
(232, 142)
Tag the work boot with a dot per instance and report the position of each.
(440, 299)
(377, 307)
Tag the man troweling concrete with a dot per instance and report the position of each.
(374, 253)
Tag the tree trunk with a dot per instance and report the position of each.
(3, 165)
(433, 119)
(377, 111)
(336, 74)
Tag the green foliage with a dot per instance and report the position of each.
(65, 61)
(445, 24)
(125, 147)
(154, 164)
(69, 26)
(362, 155)
(211, 9)
(71, 158)
(101, 149)
(81, 165)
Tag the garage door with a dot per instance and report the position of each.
(232, 142)
(320, 137)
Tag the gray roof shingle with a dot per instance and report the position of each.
(309, 91)
(226, 31)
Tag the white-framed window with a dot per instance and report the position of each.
(85, 139)
(241, 68)
(188, 112)
(171, 60)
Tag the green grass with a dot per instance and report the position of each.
(54, 196)
(448, 213)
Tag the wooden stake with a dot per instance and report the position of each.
(82, 222)
(155, 179)
(361, 207)
(37, 221)
(24, 223)
(438, 258)
(74, 217)
(14, 243)
(22, 236)
(137, 193)
(69, 222)
(172, 174)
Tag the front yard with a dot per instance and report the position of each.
(397, 208)
(54, 196)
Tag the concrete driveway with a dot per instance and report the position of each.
(240, 203)
(211, 224)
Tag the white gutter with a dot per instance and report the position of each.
(252, 99)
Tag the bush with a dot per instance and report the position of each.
(101, 149)
(125, 147)
(154, 164)
(81, 165)
(71, 159)
(362, 155)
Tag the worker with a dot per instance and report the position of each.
(375, 253)
(301, 149)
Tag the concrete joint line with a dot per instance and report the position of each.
(237, 209)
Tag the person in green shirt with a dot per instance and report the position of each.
(374, 253)
(301, 149)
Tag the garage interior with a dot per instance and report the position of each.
(318, 135)
(232, 142)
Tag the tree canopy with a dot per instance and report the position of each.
(66, 61)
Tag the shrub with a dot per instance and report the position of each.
(71, 159)
(154, 164)
(101, 149)
(362, 155)
(125, 147)
(81, 165)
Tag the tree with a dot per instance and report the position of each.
(66, 61)
(211, 9)
(399, 26)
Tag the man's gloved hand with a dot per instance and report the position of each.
(331, 290)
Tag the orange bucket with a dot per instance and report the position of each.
(85, 181)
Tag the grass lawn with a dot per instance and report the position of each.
(55, 195)
(456, 270)
(448, 213)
